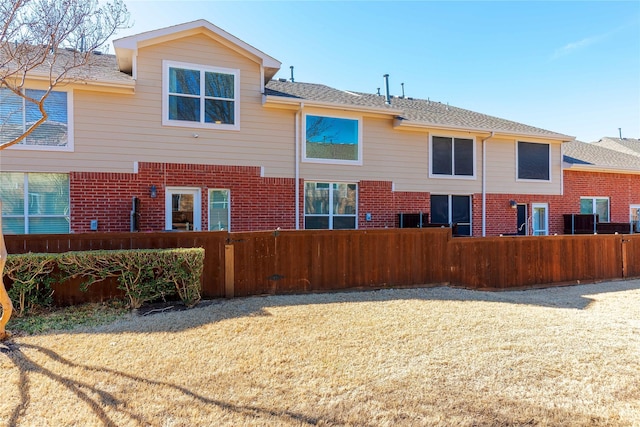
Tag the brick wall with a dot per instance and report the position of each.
(259, 203)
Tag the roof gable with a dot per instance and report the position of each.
(126, 48)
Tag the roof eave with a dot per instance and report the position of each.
(411, 125)
(284, 100)
(598, 168)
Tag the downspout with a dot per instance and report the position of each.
(484, 183)
(298, 127)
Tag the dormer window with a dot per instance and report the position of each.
(200, 96)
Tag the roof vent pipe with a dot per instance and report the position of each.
(620, 132)
(378, 91)
(292, 81)
(402, 84)
(386, 82)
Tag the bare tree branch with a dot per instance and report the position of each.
(51, 41)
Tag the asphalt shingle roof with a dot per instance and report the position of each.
(420, 111)
(594, 154)
(625, 145)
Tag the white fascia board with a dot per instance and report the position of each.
(408, 125)
(131, 43)
(284, 100)
(596, 168)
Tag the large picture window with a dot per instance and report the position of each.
(450, 209)
(332, 140)
(200, 96)
(452, 157)
(534, 161)
(34, 203)
(219, 211)
(17, 115)
(595, 205)
(330, 205)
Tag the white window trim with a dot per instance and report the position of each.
(166, 64)
(546, 218)
(534, 180)
(331, 214)
(331, 161)
(450, 209)
(631, 209)
(69, 147)
(453, 160)
(209, 208)
(197, 206)
(27, 215)
(593, 201)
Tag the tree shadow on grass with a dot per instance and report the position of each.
(577, 297)
(99, 400)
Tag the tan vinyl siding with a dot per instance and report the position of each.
(112, 131)
(501, 169)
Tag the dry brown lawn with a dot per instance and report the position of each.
(436, 356)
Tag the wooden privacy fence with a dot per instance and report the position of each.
(279, 262)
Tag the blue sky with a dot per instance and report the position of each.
(569, 66)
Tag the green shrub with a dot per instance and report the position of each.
(144, 274)
(31, 277)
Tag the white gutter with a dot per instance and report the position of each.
(298, 128)
(484, 183)
(596, 168)
(407, 125)
(284, 100)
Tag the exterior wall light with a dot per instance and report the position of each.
(153, 192)
(513, 204)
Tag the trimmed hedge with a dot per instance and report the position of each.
(143, 274)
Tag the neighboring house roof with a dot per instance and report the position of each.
(624, 145)
(101, 70)
(593, 156)
(410, 112)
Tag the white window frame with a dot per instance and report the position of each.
(545, 230)
(197, 206)
(331, 161)
(453, 158)
(211, 190)
(633, 211)
(331, 215)
(593, 203)
(67, 148)
(27, 216)
(518, 167)
(166, 64)
(450, 209)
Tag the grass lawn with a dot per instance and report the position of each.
(438, 356)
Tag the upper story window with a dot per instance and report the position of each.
(534, 161)
(595, 205)
(452, 157)
(200, 96)
(333, 140)
(17, 115)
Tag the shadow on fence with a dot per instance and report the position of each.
(283, 262)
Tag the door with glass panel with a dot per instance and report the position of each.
(183, 209)
(540, 219)
(634, 218)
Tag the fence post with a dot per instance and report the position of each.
(229, 272)
(625, 271)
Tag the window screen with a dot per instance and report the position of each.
(533, 161)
